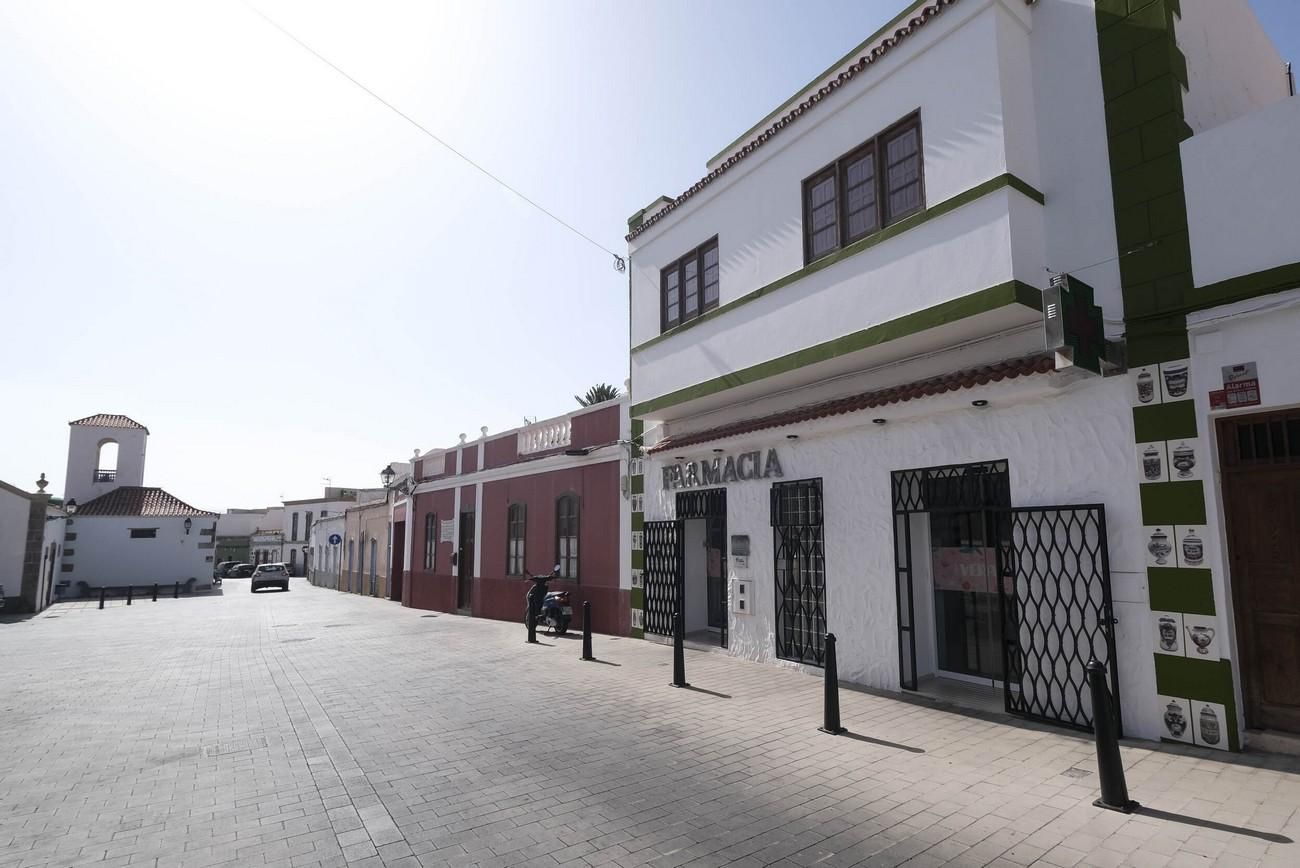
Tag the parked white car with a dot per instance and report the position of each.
(271, 576)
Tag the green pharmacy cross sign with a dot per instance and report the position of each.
(1072, 324)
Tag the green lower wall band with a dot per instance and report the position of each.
(638, 560)
(1176, 421)
(1181, 590)
(1203, 680)
(1166, 503)
(638, 521)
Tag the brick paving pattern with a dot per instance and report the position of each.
(322, 729)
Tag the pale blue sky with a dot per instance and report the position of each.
(204, 228)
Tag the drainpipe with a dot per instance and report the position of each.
(1290, 79)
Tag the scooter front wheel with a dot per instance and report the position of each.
(562, 627)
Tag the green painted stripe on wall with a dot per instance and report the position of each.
(638, 521)
(984, 301)
(1166, 503)
(637, 634)
(637, 484)
(1204, 680)
(638, 559)
(638, 598)
(1176, 421)
(1172, 589)
(977, 192)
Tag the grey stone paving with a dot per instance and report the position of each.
(322, 729)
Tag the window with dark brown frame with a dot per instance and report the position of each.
(689, 286)
(877, 183)
(430, 539)
(516, 522)
(566, 535)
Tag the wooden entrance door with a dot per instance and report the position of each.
(465, 560)
(397, 562)
(1261, 492)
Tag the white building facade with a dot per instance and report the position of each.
(31, 548)
(121, 532)
(852, 419)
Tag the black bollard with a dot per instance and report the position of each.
(101, 597)
(176, 591)
(586, 630)
(679, 655)
(1110, 768)
(130, 589)
(155, 592)
(831, 682)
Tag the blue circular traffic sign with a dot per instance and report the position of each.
(335, 539)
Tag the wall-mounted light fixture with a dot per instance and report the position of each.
(387, 475)
(880, 421)
(189, 523)
(979, 402)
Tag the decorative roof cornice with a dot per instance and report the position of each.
(882, 48)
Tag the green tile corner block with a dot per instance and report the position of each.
(1176, 420)
(1171, 589)
(637, 598)
(1203, 680)
(636, 634)
(1169, 503)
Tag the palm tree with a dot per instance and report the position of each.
(596, 394)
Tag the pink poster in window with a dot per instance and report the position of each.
(964, 569)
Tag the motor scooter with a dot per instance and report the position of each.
(552, 607)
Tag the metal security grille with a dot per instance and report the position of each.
(955, 487)
(962, 488)
(663, 574)
(1054, 580)
(710, 504)
(702, 503)
(800, 571)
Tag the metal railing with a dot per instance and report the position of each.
(105, 475)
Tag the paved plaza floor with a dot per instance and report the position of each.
(319, 729)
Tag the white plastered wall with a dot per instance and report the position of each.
(1233, 67)
(107, 555)
(1068, 445)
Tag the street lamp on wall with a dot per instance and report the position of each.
(189, 523)
(71, 506)
(387, 475)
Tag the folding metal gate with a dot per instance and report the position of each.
(800, 572)
(664, 576)
(1054, 583)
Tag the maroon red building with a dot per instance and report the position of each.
(486, 512)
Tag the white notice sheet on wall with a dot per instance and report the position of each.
(448, 531)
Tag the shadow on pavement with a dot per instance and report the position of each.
(709, 692)
(1271, 837)
(880, 741)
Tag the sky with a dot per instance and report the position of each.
(206, 229)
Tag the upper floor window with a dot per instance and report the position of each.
(516, 519)
(872, 186)
(689, 286)
(566, 535)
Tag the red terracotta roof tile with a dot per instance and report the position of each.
(919, 20)
(1039, 364)
(138, 500)
(110, 420)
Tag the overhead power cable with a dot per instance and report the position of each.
(620, 264)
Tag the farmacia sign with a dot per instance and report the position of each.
(722, 470)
